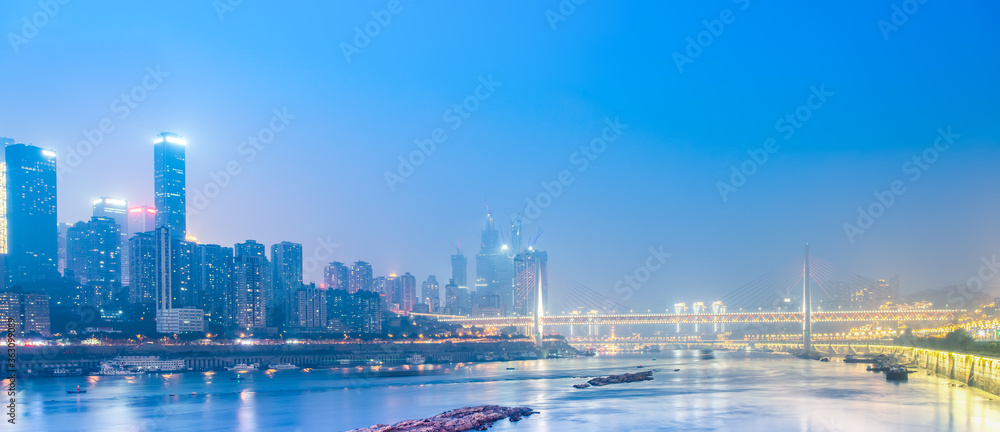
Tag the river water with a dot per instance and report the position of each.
(735, 391)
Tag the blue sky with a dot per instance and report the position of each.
(322, 178)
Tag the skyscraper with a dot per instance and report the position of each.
(175, 266)
(460, 269)
(117, 209)
(93, 255)
(141, 219)
(337, 276)
(215, 267)
(430, 293)
(361, 277)
(169, 183)
(32, 236)
(495, 270)
(408, 292)
(286, 273)
(142, 249)
(249, 286)
(531, 267)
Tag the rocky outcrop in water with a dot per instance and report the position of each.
(623, 378)
(462, 419)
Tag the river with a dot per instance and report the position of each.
(735, 391)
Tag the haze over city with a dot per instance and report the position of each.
(324, 176)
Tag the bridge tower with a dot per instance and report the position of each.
(539, 307)
(806, 306)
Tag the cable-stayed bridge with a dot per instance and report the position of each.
(805, 290)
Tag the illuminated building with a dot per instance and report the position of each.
(529, 267)
(337, 275)
(286, 273)
(3, 208)
(30, 312)
(214, 276)
(142, 249)
(117, 209)
(361, 277)
(93, 257)
(175, 266)
(169, 191)
(430, 293)
(181, 320)
(308, 308)
(141, 219)
(360, 312)
(32, 228)
(248, 297)
(408, 292)
(494, 270)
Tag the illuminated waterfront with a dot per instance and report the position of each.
(734, 391)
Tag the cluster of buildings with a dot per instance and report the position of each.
(137, 263)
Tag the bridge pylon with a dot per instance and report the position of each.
(806, 305)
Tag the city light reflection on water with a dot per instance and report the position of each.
(736, 390)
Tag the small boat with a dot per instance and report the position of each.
(510, 368)
(237, 378)
(897, 373)
(654, 358)
(677, 370)
(825, 359)
(283, 366)
(76, 391)
(242, 367)
(581, 386)
(194, 393)
(639, 367)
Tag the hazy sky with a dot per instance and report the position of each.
(687, 114)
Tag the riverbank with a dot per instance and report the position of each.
(40, 361)
(972, 370)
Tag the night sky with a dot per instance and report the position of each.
(538, 86)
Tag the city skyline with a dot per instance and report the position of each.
(848, 151)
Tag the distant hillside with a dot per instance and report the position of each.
(953, 296)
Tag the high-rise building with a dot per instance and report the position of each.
(169, 183)
(32, 230)
(93, 255)
(361, 277)
(531, 271)
(142, 248)
(407, 293)
(360, 312)
(29, 311)
(117, 209)
(141, 219)
(460, 269)
(215, 267)
(175, 267)
(430, 293)
(62, 230)
(309, 308)
(286, 273)
(337, 276)
(249, 286)
(495, 270)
